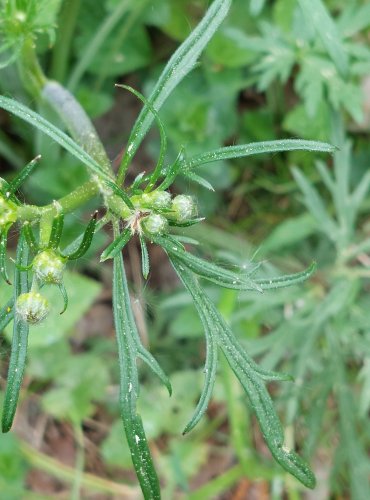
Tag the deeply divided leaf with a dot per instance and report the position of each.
(249, 377)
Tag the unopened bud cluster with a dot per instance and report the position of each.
(157, 209)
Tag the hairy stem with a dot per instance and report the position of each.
(68, 203)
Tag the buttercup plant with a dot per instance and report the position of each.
(147, 209)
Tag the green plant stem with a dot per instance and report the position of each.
(68, 203)
(30, 70)
(77, 122)
(62, 47)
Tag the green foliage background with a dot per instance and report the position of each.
(273, 70)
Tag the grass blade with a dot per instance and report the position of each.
(179, 65)
(26, 114)
(129, 384)
(230, 152)
(19, 341)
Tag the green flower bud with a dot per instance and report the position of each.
(48, 267)
(8, 211)
(184, 207)
(32, 307)
(156, 199)
(155, 224)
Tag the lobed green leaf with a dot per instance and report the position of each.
(315, 204)
(210, 367)
(64, 294)
(318, 16)
(245, 370)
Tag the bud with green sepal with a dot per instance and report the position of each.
(48, 267)
(183, 208)
(155, 224)
(49, 263)
(32, 307)
(156, 200)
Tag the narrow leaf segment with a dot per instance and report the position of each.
(239, 151)
(19, 340)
